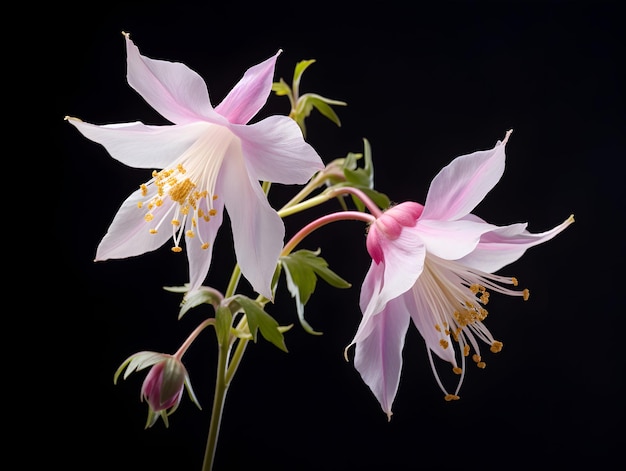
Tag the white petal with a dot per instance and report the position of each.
(199, 258)
(275, 151)
(451, 240)
(141, 146)
(378, 357)
(258, 231)
(129, 234)
(174, 90)
(461, 185)
(504, 245)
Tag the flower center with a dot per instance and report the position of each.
(457, 296)
(183, 194)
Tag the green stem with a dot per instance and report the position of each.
(221, 386)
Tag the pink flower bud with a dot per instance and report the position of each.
(163, 386)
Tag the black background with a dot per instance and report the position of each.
(423, 84)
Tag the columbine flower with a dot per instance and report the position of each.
(209, 158)
(163, 386)
(434, 264)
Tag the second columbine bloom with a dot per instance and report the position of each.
(433, 264)
(209, 159)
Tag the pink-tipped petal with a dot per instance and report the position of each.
(461, 185)
(174, 90)
(246, 98)
(378, 357)
(141, 146)
(504, 245)
(276, 151)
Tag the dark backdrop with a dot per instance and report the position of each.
(423, 84)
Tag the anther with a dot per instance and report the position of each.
(177, 249)
(444, 343)
(451, 397)
(457, 370)
(514, 281)
(526, 294)
(496, 346)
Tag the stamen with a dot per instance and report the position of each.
(186, 190)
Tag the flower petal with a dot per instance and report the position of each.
(403, 263)
(451, 240)
(258, 231)
(378, 357)
(369, 290)
(199, 258)
(174, 90)
(461, 185)
(504, 245)
(275, 151)
(250, 94)
(139, 145)
(129, 235)
(419, 303)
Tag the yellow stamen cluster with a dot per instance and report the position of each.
(173, 184)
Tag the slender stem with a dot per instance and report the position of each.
(234, 280)
(187, 343)
(340, 216)
(329, 194)
(218, 406)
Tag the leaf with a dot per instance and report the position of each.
(361, 178)
(301, 271)
(281, 88)
(203, 295)
(258, 319)
(299, 70)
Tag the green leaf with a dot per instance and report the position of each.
(299, 70)
(301, 271)
(361, 178)
(258, 319)
(281, 88)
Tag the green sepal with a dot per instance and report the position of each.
(361, 178)
(223, 323)
(299, 70)
(301, 271)
(258, 319)
(281, 88)
(307, 102)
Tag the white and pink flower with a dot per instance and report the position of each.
(434, 264)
